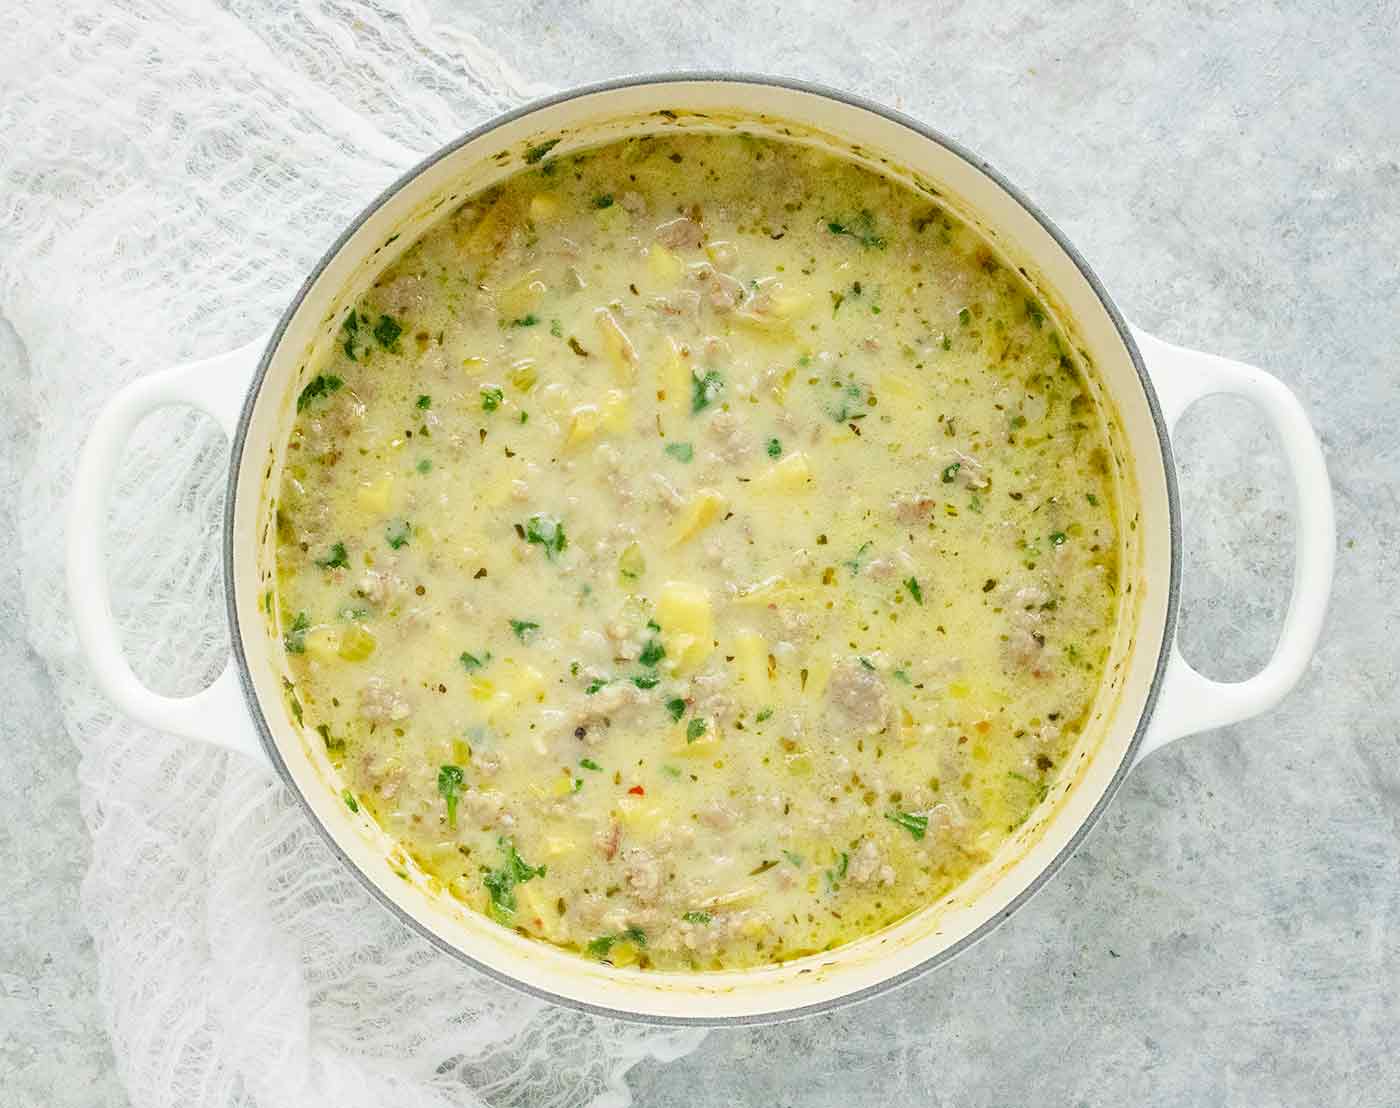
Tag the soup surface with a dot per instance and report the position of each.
(698, 552)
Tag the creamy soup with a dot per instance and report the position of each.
(698, 552)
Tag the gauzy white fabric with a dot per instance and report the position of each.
(170, 173)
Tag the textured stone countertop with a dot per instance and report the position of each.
(1227, 935)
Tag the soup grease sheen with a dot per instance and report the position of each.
(698, 552)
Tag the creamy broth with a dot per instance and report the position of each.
(698, 552)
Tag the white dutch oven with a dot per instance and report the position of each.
(1152, 696)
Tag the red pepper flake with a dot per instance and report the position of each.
(637, 790)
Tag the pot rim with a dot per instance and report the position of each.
(920, 129)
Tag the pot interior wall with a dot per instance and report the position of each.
(396, 221)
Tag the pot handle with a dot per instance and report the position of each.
(1190, 702)
(219, 713)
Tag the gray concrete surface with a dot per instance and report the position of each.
(1227, 935)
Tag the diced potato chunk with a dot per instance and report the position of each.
(583, 424)
(639, 816)
(664, 266)
(374, 496)
(621, 354)
(616, 412)
(322, 643)
(674, 376)
(356, 644)
(706, 506)
(687, 624)
(791, 475)
(543, 207)
(751, 659)
(522, 297)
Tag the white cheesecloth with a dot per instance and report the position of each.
(170, 173)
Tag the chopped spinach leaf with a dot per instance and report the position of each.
(397, 533)
(387, 331)
(912, 584)
(652, 653)
(695, 729)
(914, 823)
(950, 472)
(295, 637)
(501, 883)
(524, 629)
(681, 451)
(764, 715)
(336, 558)
(697, 917)
(449, 786)
(646, 680)
(323, 384)
(603, 200)
(527, 320)
(548, 532)
(491, 399)
(775, 448)
(471, 662)
(676, 707)
(535, 153)
(425, 401)
(704, 390)
(589, 763)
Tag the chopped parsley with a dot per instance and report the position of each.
(1035, 313)
(524, 629)
(527, 320)
(397, 533)
(424, 465)
(912, 584)
(695, 729)
(646, 680)
(602, 946)
(535, 153)
(794, 859)
(764, 715)
(596, 685)
(1039, 789)
(471, 662)
(449, 786)
(323, 384)
(589, 763)
(964, 316)
(425, 401)
(775, 448)
(652, 653)
(697, 917)
(1058, 538)
(491, 399)
(677, 708)
(915, 824)
(861, 228)
(350, 330)
(950, 472)
(295, 637)
(681, 451)
(387, 331)
(350, 801)
(603, 200)
(704, 390)
(336, 559)
(556, 328)
(548, 532)
(501, 883)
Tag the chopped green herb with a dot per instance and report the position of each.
(646, 680)
(853, 564)
(589, 763)
(323, 384)
(535, 153)
(548, 532)
(397, 533)
(912, 584)
(697, 917)
(501, 883)
(350, 801)
(471, 662)
(350, 330)
(950, 472)
(775, 448)
(295, 637)
(681, 451)
(603, 200)
(947, 343)
(901, 675)
(524, 628)
(1035, 312)
(671, 771)
(425, 401)
(556, 328)
(424, 465)
(1039, 789)
(602, 946)
(964, 316)
(578, 783)
(794, 859)
(915, 824)
(1093, 500)
(387, 331)
(704, 390)
(764, 715)
(449, 786)
(695, 729)
(676, 707)
(524, 417)
(491, 399)
(861, 228)
(866, 662)
(336, 559)
(652, 653)
(528, 320)
(595, 685)
(652, 625)
(1058, 538)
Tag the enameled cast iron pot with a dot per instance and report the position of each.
(1151, 697)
